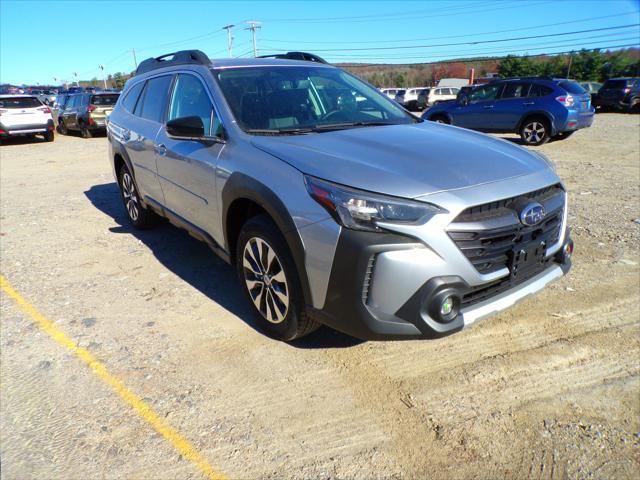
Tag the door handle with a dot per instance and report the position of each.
(487, 106)
(161, 149)
(529, 103)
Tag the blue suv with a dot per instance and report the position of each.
(536, 108)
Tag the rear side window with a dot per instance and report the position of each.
(20, 102)
(154, 98)
(572, 87)
(538, 90)
(130, 99)
(101, 100)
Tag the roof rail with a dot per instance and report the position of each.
(183, 57)
(307, 57)
(531, 77)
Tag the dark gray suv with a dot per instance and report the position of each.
(336, 206)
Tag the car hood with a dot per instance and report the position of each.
(403, 160)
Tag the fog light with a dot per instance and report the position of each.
(568, 249)
(447, 306)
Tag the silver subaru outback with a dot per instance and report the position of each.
(336, 206)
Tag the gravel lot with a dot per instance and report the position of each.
(549, 389)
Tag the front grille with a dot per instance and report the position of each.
(489, 234)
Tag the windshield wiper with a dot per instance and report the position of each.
(341, 126)
(279, 131)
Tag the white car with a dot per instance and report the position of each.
(390, 92)
(408, 98)
(25, 115)
(441, 94)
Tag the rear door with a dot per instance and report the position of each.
(512, 104)
(186, 168)
(149, 110)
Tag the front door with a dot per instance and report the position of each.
(477, 114)
(186, 168)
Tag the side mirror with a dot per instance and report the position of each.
(186, 127)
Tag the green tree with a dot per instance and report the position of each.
(118, 80)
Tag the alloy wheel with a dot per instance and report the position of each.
(265, 280)
(534, 132)
(130, 196)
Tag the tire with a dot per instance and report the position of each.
(49, 136)
(62, 128)
(440, 119)
(274, 291)
(535, 131)
(139, 216)
(635, 106)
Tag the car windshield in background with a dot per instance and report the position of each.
(104, 100)
(20, 102)
(572, 87)
(288, 100)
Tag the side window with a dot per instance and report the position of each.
(539, 91)
(151, 106)
(129, 101)
(515, 90)
(488, 92)
(190, 99)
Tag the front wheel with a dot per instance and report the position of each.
(270, 280)
(440, 119)
(140, 216)
(535, 131)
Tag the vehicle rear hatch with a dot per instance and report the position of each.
(23, 111)
(581, 97)
(102, 106)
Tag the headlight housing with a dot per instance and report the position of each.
(359, 210)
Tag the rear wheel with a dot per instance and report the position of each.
(270, 280)
(49, 136)
(62, 128)
(84, 131)
(535, 131)
(140, 216)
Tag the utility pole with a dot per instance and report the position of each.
(135, 61)
(104, 79)
(75, 74)
(569, 69)
(253, 26)
(229, 37)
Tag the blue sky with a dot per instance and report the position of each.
(47, 39)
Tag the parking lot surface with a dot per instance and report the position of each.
(548, 389)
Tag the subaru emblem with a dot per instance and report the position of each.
(532, 214)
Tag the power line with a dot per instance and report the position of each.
(485, 58)
(342, 42)
(390, 17)
(477, 42)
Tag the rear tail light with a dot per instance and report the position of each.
(44, 109)
(627, 90)
(566, 100)
(91, 108)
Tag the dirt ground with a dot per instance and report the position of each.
(549, 389)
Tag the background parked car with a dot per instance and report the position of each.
(423, 96)
(622, 94)
(536, 108)
(408, 98)
(86, 113)
(592, 88)
(441, 94)
(24, 115)
(390, 92)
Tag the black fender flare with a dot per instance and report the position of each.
(240, 186)
(118, 149)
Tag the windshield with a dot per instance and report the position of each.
(20, 102)
(101, 100)
(275, 99)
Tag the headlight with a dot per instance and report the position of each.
(360, 210)
(548, 161)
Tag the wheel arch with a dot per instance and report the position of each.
(244, 197)
(538, 113)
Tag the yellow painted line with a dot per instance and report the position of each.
(178, 442)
